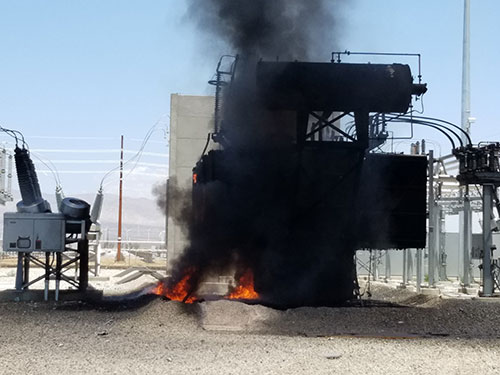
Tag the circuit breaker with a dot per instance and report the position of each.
(28, 232)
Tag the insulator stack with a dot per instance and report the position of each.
(26, 175)
(32, 200)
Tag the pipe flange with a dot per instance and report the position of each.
(40, 206)
(75, 208)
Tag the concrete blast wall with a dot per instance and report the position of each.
(191, 119)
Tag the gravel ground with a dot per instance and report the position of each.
(402, 333)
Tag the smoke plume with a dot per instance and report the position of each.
(260, 216)
(285, 29)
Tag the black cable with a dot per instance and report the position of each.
(440, 130)
(448, 123)
(409, 118)
(11, 133)
(14, 134)
(421, 122)
(416, 119)
(433, 125)
(206, 145)
(425, 121)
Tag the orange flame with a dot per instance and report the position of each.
(245, 288)
(179, 291)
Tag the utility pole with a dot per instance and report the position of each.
(465, 216)
(466, 111)
(119, 246)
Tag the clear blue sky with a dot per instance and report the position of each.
(105, 68)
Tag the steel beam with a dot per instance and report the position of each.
(488, 190)
(405, 267)
(419, 269)
(465, 232)
(387, 266)
(440, 245)
(19, 272)
(431, 242)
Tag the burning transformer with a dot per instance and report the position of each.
(288, 194)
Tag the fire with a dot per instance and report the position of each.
(245, 288)
(179, 291)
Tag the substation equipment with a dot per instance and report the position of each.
(5, 176)
(480, 166)
(347, 195)
(57, 242)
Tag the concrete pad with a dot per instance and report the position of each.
(213, 288)
(99, 278)
(225, 315)
(469, 291)
(430, 291)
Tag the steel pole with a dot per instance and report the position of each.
(405, 267)
(19, 272)
(466, 236)
(466, 110)
(419, 269)
(487, 241)
(387, 266)
(465, 220)
(119, 246)
(440, 245)
(431, 243)
(410, 269)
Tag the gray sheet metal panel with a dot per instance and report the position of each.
(34, 232)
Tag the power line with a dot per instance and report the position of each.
(139, 153)
(102, 171)
(103, 151)
(106, 161)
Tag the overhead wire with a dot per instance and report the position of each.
(140, 153)
(54, 171)
(137, 156)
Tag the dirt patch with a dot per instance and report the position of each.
(155, 336)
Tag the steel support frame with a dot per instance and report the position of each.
(404, 282)
(81, 260)
(440, 244)
(361, 121)
(323, 123)
(25, 259)
(418, 257)
(431, 241)
(387, 275)
(488, 193)
(465, 235)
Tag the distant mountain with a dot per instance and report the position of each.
(140, 215)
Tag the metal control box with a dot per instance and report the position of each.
(27, 232)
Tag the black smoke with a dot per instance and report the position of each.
(265, 210)
(269, 29)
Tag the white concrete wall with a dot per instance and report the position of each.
(191, 119)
